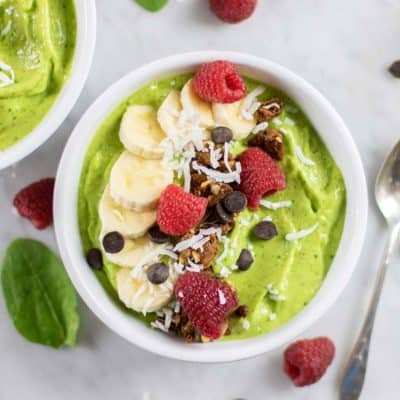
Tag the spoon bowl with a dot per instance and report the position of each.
(387, 187)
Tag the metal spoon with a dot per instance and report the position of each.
(387, 194)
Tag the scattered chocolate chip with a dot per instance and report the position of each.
(235, 202)
(157, 236)
(95, 259)
(157, 273)
(113, 242)
(221, 135)
(269, 109)
(222, 214)
(394, 69)
(245, 260)
(242, 311)
(265, 230)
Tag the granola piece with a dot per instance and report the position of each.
(188, 331)
(218, 191)
(197, 183)
(226, 228)
(203, 157)
(271, 141)
(269, 109)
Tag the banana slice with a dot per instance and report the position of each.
(133, 252)
(141, 133)
(230, 115)
(140, 294)
(191, 102)
(128, 223)
(168, 113)
(136, 183)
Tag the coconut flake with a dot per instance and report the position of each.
(193, 267)
(218, 176)
(249, 103)
(6, 29)
(199, 245)
(211, 231)
(302, 157)
(246, 324)
(288, 121)
(276, 205)
(179, 268)
(262, 126)
(158, 325)
(226, 157)
(301, 234)
(7, 75)
(225, 272)
(221, 297)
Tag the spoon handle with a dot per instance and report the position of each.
(353, 379)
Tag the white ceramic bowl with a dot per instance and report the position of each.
(85, 44)
(335, 135)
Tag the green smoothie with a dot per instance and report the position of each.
(37, 43)
(286, 274)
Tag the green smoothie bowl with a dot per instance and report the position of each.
(214, 209)
(46, 49)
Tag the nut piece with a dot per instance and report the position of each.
(269, 109)
(271, 141)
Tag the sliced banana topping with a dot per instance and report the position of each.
(169, 112)
(230, 115)
(141, 133)
(139, 294)
(193, 104)
(128, 223)
(136, 183)
(133, 252)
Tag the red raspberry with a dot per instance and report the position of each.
(260, 176)
(35, 202)
(207, 302)
(233, 11)
(306, 361)
(179, 211)
(219, 82)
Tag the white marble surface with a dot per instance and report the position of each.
(343, 47)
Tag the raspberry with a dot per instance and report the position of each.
(178, 211)
(233, 11)
(35, 202)
(260, 176)
(207, 302)
(306, 361)
(219, 82)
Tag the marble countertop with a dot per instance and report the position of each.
(342, 47)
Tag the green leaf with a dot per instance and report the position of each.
(39, 295)
(152, 5)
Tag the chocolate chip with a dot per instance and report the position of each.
(113, 242)
(95, 259)
(245, 260)
(265, 230)
(394, 69)
(157, 236)
(221, 135)
(157, 273)
(242, 311)
(235, 202)
(222, 214)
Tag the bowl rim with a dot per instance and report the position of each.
(86, 283)
(70, 92)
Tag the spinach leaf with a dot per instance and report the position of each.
(38, 294)
(152, 5)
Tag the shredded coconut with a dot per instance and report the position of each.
(250, 102)
(262, 126)
(193, 267)
(246, 324)
(221, 297)
(226, 157)
(218, 176)
(225, 272)
(7, 75)
(276, 205)
(301, 234)
(158, 325)
(302, 157)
